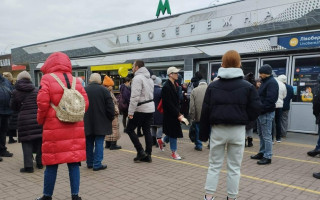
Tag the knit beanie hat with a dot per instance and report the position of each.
(265, 69)
(156, 80)
(22, 75)
(107, 81)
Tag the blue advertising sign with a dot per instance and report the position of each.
(300, 41)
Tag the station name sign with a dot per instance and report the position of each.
(213, 26)
(300, 41)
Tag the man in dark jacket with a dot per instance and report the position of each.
(268, 92)
(97, 121)
(5, 112)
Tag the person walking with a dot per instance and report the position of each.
(97, 121)
(24, 101)
(66, 144)
(268, 92)
(124, 100)
(286, 106)
(229, 104)
(196, 101)
(141, 110)
(5, 112)
(171, 112)
(156, 126)
(111, 140)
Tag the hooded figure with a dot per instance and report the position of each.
(61, 142)
(229, 104)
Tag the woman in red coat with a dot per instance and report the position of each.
(61, 142)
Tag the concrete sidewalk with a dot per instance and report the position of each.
(288, 177)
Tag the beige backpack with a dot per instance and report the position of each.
(71, 107)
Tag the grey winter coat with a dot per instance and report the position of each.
(196, 101)
(141, 91)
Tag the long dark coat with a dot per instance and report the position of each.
(157, 116)
(99, 116)
(171, 108)
(24, 99)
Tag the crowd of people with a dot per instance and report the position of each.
(65, 122)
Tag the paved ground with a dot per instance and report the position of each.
(288, 177)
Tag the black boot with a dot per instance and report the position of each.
(27, 170)
(114, 146)
(76, 197)
(108, 144)
(44, 198)
(250, 142)
(140, 155)
(154, 142)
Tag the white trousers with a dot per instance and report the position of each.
(232, 140)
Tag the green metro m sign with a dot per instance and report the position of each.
(163, 8)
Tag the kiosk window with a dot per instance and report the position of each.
(305, 78)
(278, 66)
(203, 69)
(249, 66)
(214, 70)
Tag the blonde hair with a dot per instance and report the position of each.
(231, 59)
(8, 76)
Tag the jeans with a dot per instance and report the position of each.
(50, 175)
(265, 133)
(156, 131)
(284, 123)
(197, 142)
(94, 148)
(173, 142)
(144, 120)
(230, 138)
(4, 123)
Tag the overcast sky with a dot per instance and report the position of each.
(25, 22)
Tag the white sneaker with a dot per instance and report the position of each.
(205, 198)
(278, 141)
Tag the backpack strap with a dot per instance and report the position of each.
(74, 81)
(67, 80)
(58, 80)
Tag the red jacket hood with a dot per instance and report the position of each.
(57, 62)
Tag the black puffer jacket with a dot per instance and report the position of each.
(24, 99)
(229, 101)
(269, 92)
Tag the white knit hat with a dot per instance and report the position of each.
(22, 75)
(95, 77)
